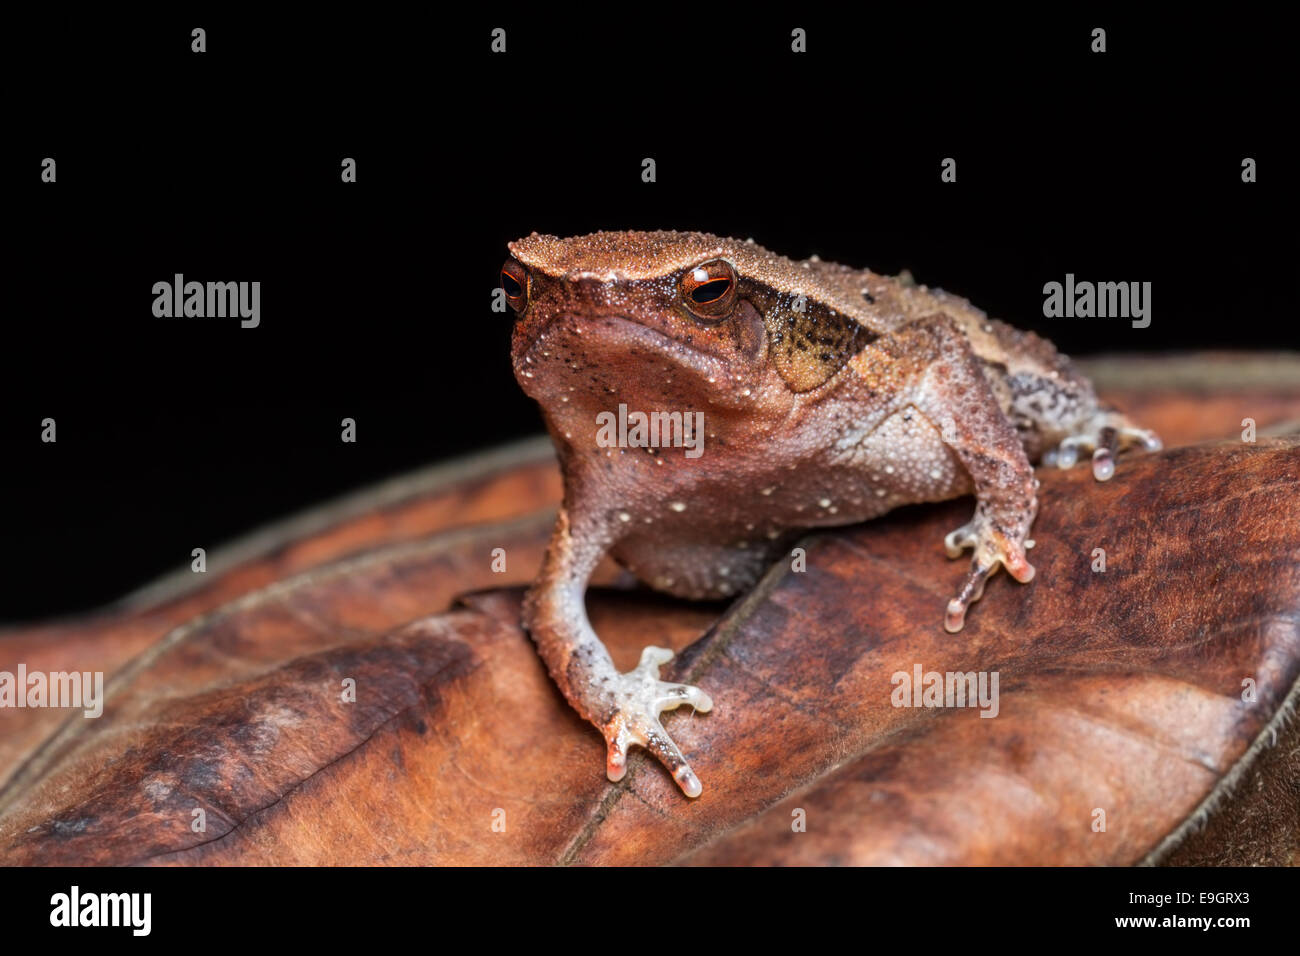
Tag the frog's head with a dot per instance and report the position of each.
(651, 316)
(713, 314)
(668, 321)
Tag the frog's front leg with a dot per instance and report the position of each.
(625, 708)
(953, 394)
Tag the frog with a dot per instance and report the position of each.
(827, 396)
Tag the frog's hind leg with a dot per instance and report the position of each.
(1053, 403)
(1105, 433)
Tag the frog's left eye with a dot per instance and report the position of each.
(709, 290)
(514, 283)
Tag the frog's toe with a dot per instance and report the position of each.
(960, 539)
(1105, 435)
(641, 697)
(672, 696)
(972, 590)
(993, 550)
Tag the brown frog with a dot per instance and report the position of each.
(827, 396)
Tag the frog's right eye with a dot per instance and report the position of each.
(709, 290)
(514, 283)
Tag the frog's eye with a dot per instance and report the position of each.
(709, 290)
(514, 283)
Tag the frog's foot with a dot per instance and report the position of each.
(993, 549)
(640, 696)
(1106, 434)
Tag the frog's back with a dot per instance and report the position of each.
(1038, 388)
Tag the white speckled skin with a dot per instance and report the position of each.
(830, 396)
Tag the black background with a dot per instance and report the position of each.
(175, 434)
(906, 910)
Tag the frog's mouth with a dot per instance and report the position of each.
(614, 339)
